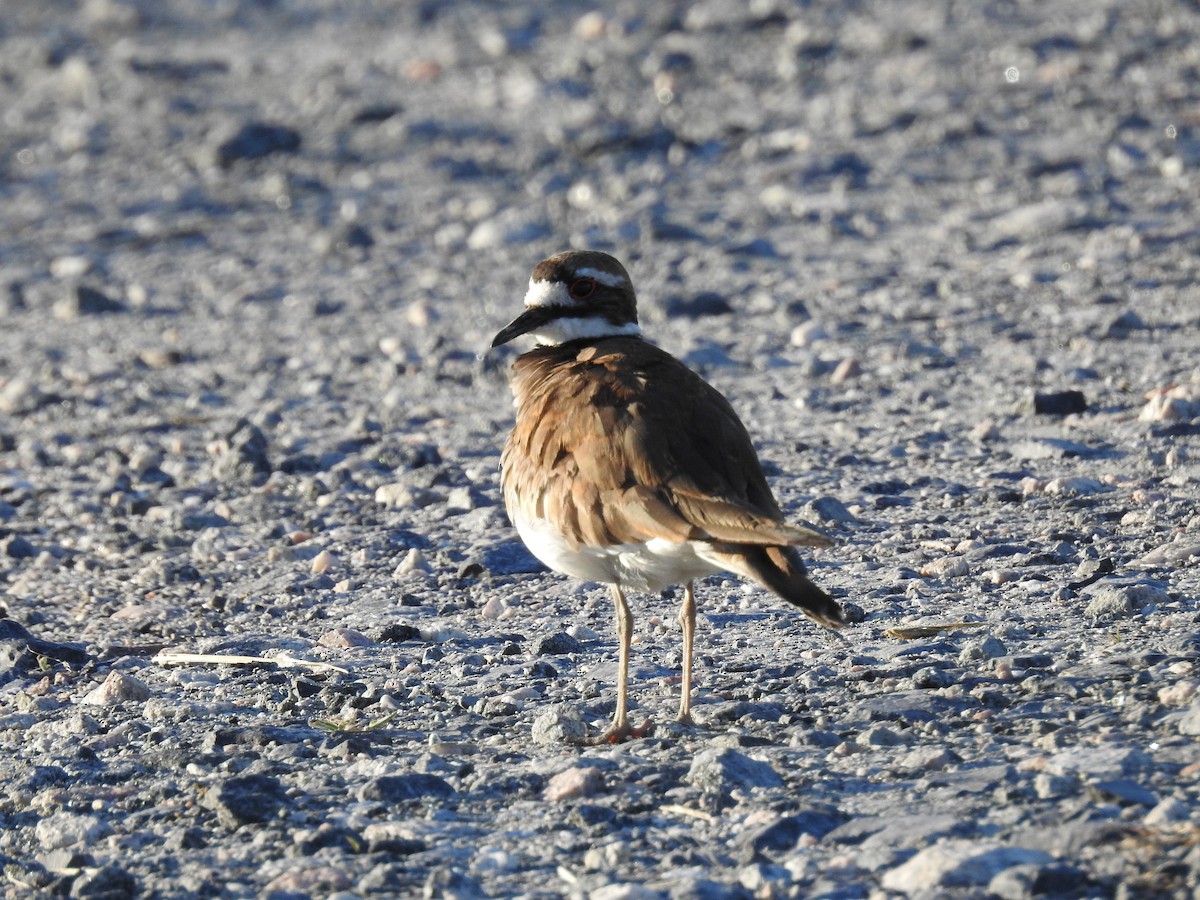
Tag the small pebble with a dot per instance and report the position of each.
(344, 637)
(117, 688)
(323, 562)
(578, 781)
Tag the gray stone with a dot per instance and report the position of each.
(958, 863)
(1023, 882)
(828, 509)
(66, 829)
(1123, 791)
(902, 706)
(1099, 762)
(721, 770)
(1117, 601)
(899, 831)
(556, 726)
(409, 786)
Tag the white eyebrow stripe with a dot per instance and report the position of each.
(611, 279)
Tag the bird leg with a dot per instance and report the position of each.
(620, 728)
(687, 621)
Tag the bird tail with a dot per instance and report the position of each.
(781, 571)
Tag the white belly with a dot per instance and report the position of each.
(648, 566)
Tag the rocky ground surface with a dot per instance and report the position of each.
(942, 257)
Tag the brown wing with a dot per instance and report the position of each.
(613, 455)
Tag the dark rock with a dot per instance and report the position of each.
(780, 836)
(245, 799)
(263, 736)
(904, 706)
(178, 70)
(733, 710)
(589, 815)
(12, 298)
(470, 568)
(110, 882)
(397, 633)
(1123, 791)
(256, 140)
(186, 839)
(21, 652)
(398, 788)
(1126, 322)
(394, 845)
(82, 300)
(541, 669)
(759, 247)
(16, 547)
(706, 303)
(1090, 571)
(244, 456)
(558, 644)
(1033, 880)
(375, 113)
(65, 858)
(1059, 403)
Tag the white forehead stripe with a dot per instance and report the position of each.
(548, 293)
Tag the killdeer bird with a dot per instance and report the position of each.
(626, 468)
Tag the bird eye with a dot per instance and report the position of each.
(582, 288)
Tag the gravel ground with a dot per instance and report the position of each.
(941, 257)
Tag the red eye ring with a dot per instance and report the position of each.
(582, 288)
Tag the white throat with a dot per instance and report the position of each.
(573, 328)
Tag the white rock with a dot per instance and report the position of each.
(1077, 486)
(494, 860)
(808, 333)
(414, 561)
(625, 892)
(393, 495)
(323, 562)
(946, 567)
(494, 608)
(959, 863)
(117, 688)
(1167, 810)
(64, 829)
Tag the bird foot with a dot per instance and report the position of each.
(618, 732)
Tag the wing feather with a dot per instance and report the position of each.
(613, 461)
